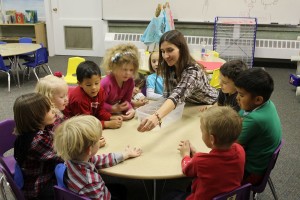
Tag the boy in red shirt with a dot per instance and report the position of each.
(222, 169)
(88, 97)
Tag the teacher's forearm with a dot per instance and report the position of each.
(166, 108)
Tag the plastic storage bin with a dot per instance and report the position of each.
(149, 109)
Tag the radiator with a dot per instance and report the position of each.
(265, 48)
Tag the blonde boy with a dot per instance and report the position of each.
(220, 127)
(77, 140)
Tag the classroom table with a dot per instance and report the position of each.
(160, 158)
(16, 49)
(211, 64)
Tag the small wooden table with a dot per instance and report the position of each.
(160, 158)
(16, 49)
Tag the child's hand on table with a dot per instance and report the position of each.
(204, 107)
(140, 102)
(193, 150)
(102, 142)
(184, 148)
(129, 115)
(115, 123)
(119, 107)
(131, 152)
(116, 117)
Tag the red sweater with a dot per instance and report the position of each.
(216, 172)
(82, 104)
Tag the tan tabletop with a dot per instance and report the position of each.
(16, 49)
(160, 158)
(12, 49)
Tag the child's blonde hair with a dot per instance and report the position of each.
(223, 123)
(49, 84)
(75, 135)
(119, 55)
(150, 62)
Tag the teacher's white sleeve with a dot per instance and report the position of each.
(152, 95)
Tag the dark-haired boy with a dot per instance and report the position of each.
(227, 95)
(261, 133)
(228, 73)
(88, 97)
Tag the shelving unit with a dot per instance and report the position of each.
(12, 32)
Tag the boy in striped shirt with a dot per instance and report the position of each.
(77, 140)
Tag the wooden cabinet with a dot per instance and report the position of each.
(12, 32)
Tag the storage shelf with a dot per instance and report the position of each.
(12, 32)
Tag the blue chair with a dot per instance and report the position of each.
(2, 42)
(26, 56)
(8, 181)
(40, 60)
(60, 190)
(267, 178)
(6, 143)
(5, 69)
(241, 193)
(60, 171)
(25, 40)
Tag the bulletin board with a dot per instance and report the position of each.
(266, 11)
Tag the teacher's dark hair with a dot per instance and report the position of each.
(185, 59)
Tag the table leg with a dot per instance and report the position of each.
(15, 63)
(154, 189)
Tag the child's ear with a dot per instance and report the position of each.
(259, 100)
(89, 151)
(212, 139)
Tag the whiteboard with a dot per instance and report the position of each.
(266, 11)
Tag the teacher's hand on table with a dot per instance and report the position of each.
(131, 152)
(148, 124)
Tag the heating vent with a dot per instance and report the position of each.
(265, 48)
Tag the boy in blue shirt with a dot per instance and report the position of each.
(261, 132)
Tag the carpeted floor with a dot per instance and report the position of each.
(286, 174)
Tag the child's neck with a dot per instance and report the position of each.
(84, 158)
(222, 147)
(119, 82)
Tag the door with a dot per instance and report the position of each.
(75, 27)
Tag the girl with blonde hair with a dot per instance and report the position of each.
(56, 89)
(122, 63)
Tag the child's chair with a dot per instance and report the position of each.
(267, 178)
(73, 63)
(240, 193)
(60, 190)
(215, 79)
(65, 194)
(5, 69)
(41, 60)
(6, 143)
(7, 181)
